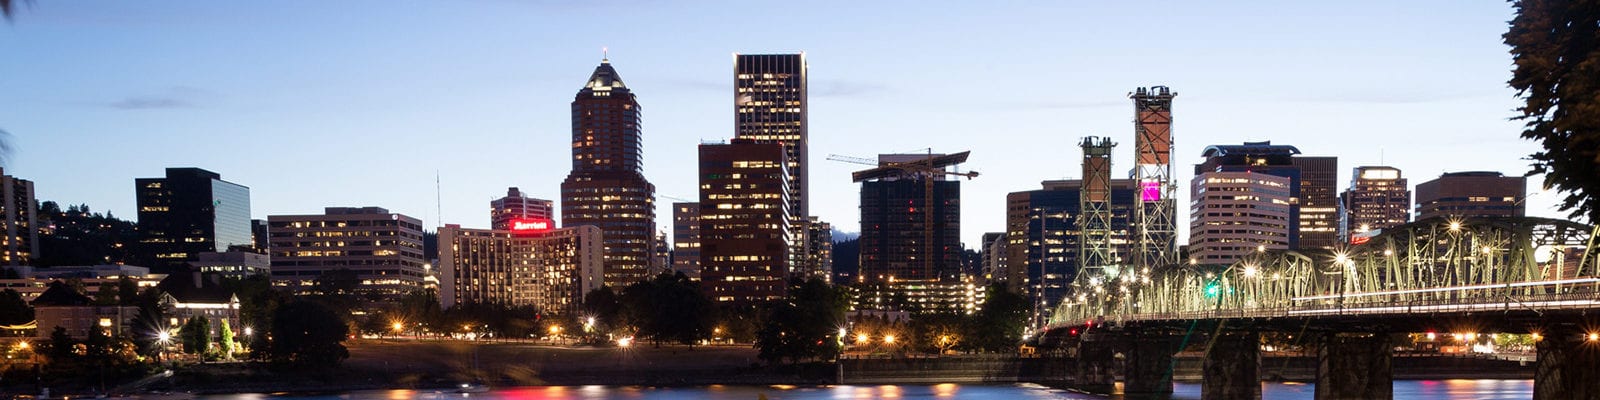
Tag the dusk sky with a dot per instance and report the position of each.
(360, 103)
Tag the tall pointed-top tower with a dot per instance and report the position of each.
(1155, 213)
(607, 188)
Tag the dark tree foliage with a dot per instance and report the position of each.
(308, 334)
(493, 318)
(13, 309)
(419, 310)
(606, 307)
(196, 335)
(846, 259)
(805, 325)
(669, 308)
(81, 237)
(1555, 45)
(998, 326)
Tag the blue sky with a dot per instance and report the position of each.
(356, 103)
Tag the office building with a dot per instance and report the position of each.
(992, 254)
(1043, 238)
(259, 237)
(606, 187)
(1234, 214)
(1472, 194)
(515, 206)
(18, 211)
(234, 264)
(548, 269)
(745, 233)
(1378, 198)
(383, 249)
(686, 239)
(819, 250)
(770, 106)
(188, 212)
(1319, 202)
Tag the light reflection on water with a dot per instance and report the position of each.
(1454, 389)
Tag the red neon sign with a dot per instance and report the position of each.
(530, 225)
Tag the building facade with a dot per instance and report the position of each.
(686, 239)
(1234, 214)
(770, 106)
(234, 264)
(1319, 202)
(606, 187)
(549, 269)
(516, 206)
(384, 249)
(1378, 198)
(1043, 238)
(1472, 194)
(745, 232)
(188, 212)
(819, 250)
(19, 213)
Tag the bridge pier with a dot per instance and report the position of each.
(1355, 366)
(1232, 368)
(1147, 366)
(1566, 366)
(1096, 359)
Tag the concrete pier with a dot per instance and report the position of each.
(1567, 365)
(1147, 366)
(1232, 369)
(1355, 366)
(1096, 360)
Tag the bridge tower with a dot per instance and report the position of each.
(1097, 260)
(1155, 211)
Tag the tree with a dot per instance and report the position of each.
(228, 346)
(1555, 45)
(196, 335)
(669, 308)
(308, 334)
(13, 309)
(805, 325)
(999, 324)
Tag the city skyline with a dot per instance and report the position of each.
(462, 92)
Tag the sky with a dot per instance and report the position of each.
(364, 103)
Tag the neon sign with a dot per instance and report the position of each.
(530, 225)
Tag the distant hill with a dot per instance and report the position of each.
(840, 236)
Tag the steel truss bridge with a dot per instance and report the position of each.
(1439, 265)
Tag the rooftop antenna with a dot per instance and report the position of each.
(438, 201)
(605, 54)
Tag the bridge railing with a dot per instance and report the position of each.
(1534, 303)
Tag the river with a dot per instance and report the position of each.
(1456, 389)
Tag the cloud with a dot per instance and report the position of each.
(173, 97)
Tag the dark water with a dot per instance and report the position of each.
(1484, 389)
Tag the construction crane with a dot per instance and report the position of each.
(927, 169)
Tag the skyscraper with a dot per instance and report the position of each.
(18, 212)
(686, 239)
(1237, 213)
(1319, 201)
(190, 211)
(770, 107)
(549, 269)
(1043, 242)
(745, 236)
(517, 206)
(1378, 198)
(1472, 194)
(607, 188)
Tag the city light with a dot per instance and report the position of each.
(888, 339)
(398, 326)
(1594, 336)
(625, 342)
(862, 338)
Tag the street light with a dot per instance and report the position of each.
(888, 339)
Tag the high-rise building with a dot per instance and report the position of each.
(1313, 199)
(686, 239)
(994, 260)
(911, 233)
(1319, 202)
(607, 188)
(259, 237)
(18, 211)
(819, 253)
(1234, 214)
(515, 206)
(383, 249)
(1472, 194)
(188, 212)
(1378, 198)
(745, 233)
(770, 106)
(1043, 239)
(549, 269)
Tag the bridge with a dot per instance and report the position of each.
(1522, 275)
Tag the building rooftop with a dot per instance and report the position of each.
(1250, 149)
